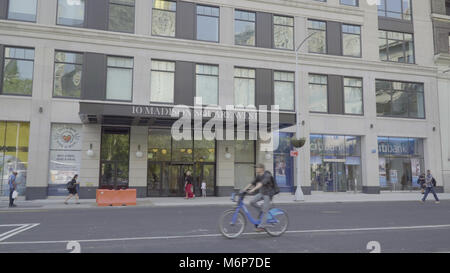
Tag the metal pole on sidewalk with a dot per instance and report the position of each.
(298, 192)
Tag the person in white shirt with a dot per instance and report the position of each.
(204, 189)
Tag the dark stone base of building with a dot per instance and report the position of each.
(371, 190)
(141, 192)
(224, 191)
(439, 189)
(305, 190)
(36, 193)
(88, 192)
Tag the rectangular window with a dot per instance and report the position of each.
(317, 43)
(207, 23)
(119, 84)
(163, 82)
(244, 86)
(65, 156)
(244, 28)
(164, 18)
(284, 90)
(71, 12)
(283, 32)
(396, 47)
(349, 2)
(121, 16)
(207, 83)
(68, 74)
(14, 140)
(318, 93)
(353, 96)
(400, 99)
(18, 71)
(22, 10)
(398, 9)
(351, 40)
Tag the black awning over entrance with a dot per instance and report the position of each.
(161, 116)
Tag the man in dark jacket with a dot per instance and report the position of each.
(430, 183)
(264, 183)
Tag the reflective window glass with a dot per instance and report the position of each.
(71, 12)
(22, 10)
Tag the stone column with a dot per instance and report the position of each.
(39, 144)
(138, 166)
(89, 177)
(225, 169)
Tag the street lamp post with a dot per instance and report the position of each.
(298, 192)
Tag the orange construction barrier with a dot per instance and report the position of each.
(116, 197)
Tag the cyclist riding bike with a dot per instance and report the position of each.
(265, 184)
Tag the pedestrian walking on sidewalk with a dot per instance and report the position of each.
(188, 185)
(72, 188)
(204, 189)
(12, 187)
(430, 183)
(421, 182)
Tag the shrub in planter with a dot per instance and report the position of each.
(298, 143)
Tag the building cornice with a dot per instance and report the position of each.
(193, 47)
(441, 17)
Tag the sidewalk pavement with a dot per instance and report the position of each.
(282, 198)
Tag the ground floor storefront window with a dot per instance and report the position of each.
(65, 157)
(169, 160)
(14, 139)
(284, 163)
(115, 158)
(400, 163)
(335, 163)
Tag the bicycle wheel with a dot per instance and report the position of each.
(228, 229)
(277, 222)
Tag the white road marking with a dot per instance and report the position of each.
(21, 228)
(220, 235)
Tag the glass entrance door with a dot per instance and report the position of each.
(175, 185)
(204, 173)
(335, 178)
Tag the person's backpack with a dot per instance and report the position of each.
(275, 188)
(70, 185)
(433, 182)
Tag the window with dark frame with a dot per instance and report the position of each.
(244, 86)
(353, 96)
(354, 3)
(400, 99)
(317, 43)
(284, 86)
(396, 47)
(351, 40)
(207, 23)
(22, 10)
(119, 84)
(164, 18)
(162, 81)
(245, 28)
(121, 15)
(283, 32)
(71, 13)
(318, 93)
(18, 68)
(207, 83)
(68, 74)
(398, 9)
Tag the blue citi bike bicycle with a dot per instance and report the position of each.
(233, 221)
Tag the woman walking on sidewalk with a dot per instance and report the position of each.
(430, 183)
(72, 188)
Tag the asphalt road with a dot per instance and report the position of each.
(331, 227)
